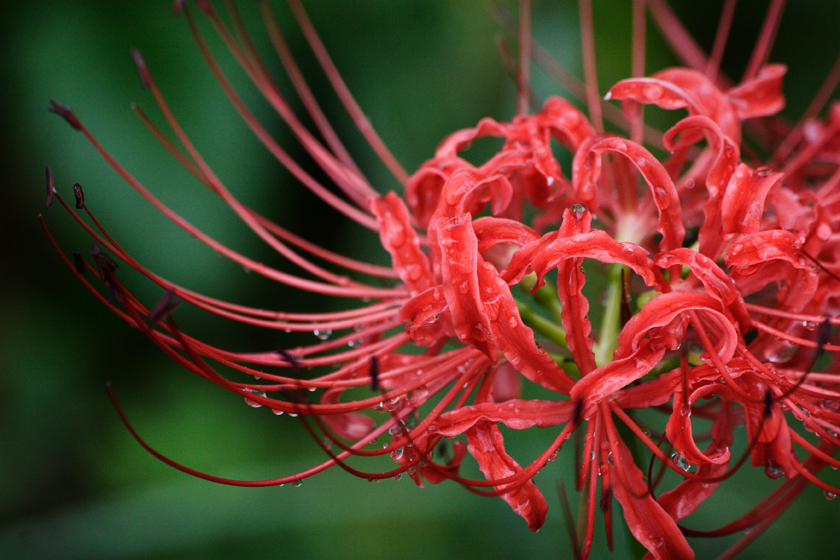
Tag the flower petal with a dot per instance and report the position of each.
(402, 242)
(486, 445)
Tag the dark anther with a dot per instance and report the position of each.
(163, 308)
(106, 267)
(294, 396)
(625, 295)
(64, 113)
(577, 413)
(80, 196)
(442, 449)
(768, 403)
(291, 360)
(606, 498)
(50, 188)
(374, 373)
(79, 261)
(141, 67)
(820, 265)
(823, 334)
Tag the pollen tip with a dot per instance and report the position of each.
(608, 96)
(577, 413)
(50, 188)
(768, 403)
(80, 196)
(290, 359)
(79, 262)
(374, 373)
(163, 308)
(141, 67)
(65, 113)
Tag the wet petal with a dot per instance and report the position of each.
(402, 242)
(486, 445)
(516, 414)
(650, 524)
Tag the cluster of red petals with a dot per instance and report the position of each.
(754, 236)
(725, 273)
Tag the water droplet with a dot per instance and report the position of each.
(829, 495)
(297, 483)
(772, 470)
(322, 334)
(276, 412)
(652, 91)
(254, 404)
(680, 461)
(398, 476)
(397, 454)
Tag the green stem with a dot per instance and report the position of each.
(547, 328)
(611, 322)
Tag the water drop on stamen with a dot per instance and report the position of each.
(829, 495)
(772, 470)
(297, 483)
(254, 404)
(681, 461)
(322, 334)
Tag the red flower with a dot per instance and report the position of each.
(720, 273)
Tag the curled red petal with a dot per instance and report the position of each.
(516, 414)
(570, 281)
(650, 524)
(402, 242)
(680, 434)
(716, 282)
(689, 494)
(665, 313)
(461, 139)
(727, 154)
(759, 259)
(565, 121)
(435, 473)
(486, 445)
(459, 263)
(422, 191)
(762, 96)
(676, 88)
(484, 313)
(551, 249)
(492, 231)
(608, 379)
(427, 317)
(656, 176)
(743, 201)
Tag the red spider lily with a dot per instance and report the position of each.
(721, 276)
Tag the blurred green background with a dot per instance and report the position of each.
(73, 484)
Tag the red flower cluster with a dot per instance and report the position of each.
(720, 274)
